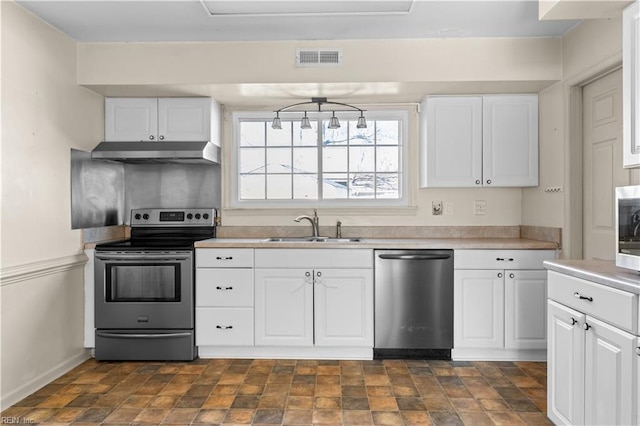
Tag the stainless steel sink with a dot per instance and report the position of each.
(311, 240)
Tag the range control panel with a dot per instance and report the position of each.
(173, 217)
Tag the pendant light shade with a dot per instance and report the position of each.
(276, 122)
(305, 123)
(334, 123)
(362, 122)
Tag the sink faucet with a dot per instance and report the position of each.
(314, 222)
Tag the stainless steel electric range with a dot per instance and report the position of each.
(144, 286)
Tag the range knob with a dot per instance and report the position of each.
(189, 216)
(197, 215)
(205, 216)
(145, 216)
(137, 216)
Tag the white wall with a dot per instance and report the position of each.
(44, 114)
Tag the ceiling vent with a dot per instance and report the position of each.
(318, 57)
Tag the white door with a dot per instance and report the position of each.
(565, 365)
(510, 140)
(343, 307)
(478, 309)
(452, 147)
(602, 163)
(525, 314)
(184, 119)
(609, 382)
(130, 119)
(284, 307)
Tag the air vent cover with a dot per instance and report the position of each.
(320, 57)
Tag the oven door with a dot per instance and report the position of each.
(144, 290)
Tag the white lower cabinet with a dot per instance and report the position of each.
(592, 362)
(500, 314)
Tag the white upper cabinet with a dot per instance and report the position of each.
(631, 84)
(489, 140)
(157, 119)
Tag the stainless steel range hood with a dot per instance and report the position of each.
(158, 152)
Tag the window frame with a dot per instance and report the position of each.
(401, 115)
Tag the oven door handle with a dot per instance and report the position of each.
(142, 335)
(119, 257)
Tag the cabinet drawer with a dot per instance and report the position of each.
(224, 258)
(501, 259)
(617, 307)
(224, 327)
(224, 287)
(314, 258)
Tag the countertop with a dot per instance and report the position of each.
(603, 272)
(386, 243)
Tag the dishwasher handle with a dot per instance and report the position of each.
(414, 256)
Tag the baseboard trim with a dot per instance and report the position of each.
(499, 355)
(42, 380)
(346, 353)
(29, 271)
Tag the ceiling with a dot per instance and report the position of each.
(266, 20)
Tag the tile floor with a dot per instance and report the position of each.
(291, 392)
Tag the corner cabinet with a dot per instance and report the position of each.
(592, 362)
(631, 84)
(157, 119)
(499, 304)
(475, 141)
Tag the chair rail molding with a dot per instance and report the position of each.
(28, 271)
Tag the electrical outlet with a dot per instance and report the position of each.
(448, 208)
(480, 207)
(436, 208)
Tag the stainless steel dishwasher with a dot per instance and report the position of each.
(413, 303)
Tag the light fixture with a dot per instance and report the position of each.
(334, 123)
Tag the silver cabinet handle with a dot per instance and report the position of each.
(574, 321)
(581, 297)
(637, 351)
(488, 181)
(318, 274)
(499, 274)
(224, 327)
(151, 137)
(307, 274)
(586, 326)
(224, 258)
(504, 259)
(161, 138)
(477, 181)
(224, 288)
(512, 276)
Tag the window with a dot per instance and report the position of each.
(320, 166)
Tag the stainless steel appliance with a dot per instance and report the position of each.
(627, 214)
(144, 286)
(413, 303)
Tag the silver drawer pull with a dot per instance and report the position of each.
(586, 326)
(224, 288)
(581, 297)
(224, 258)
(224, 327)
(504, 259)
(574, 321)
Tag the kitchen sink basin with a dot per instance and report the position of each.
(311, 240)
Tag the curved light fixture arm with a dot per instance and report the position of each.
(361, 124)
(319, 102)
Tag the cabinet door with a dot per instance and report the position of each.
(478, 309)
(609, 363)
(130, 119)
(184, 119)
(283, 307)
(343, 307)
(631, 84)
(565, 365)
(525, 323)
(451, 142)
(510, 140)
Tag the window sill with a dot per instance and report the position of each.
(345, 211)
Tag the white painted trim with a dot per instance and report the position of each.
(286, 352)
(15, 395)
(498, 355)
(29, 271)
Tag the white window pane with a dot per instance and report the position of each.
(279, 137)
(334, 159)
(279, 187)
(305, 187)
(305, 137)
(387, 159)
(335, 185)
(361, 136)
(388, 132)
(252, 133)
(252, 187)
(362, 159)
(278, 160)
(305, 160)
(361, 185)
(337, 136)
(388, 186)
(252, 160)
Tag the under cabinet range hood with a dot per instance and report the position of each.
(158, 152)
